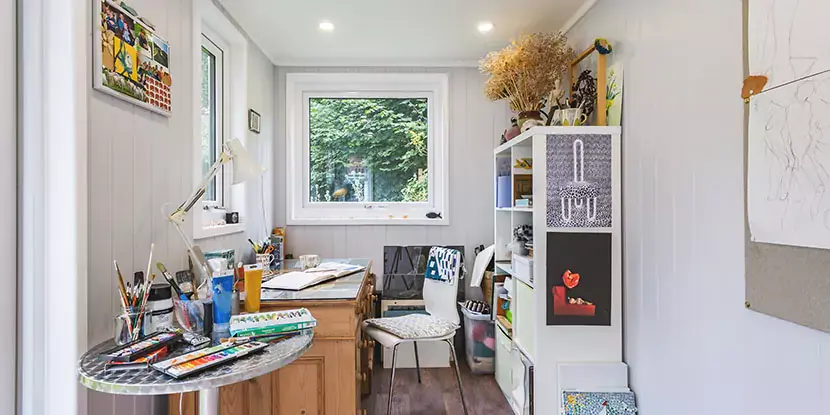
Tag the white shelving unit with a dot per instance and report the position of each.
(532, 340)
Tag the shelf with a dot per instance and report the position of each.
(515, 209)
(522, 139)
(506, 267)
(505, 325)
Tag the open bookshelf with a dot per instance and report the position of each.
(527, 346)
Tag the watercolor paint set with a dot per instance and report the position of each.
(142, 347)
(272, 322)
(200, 360)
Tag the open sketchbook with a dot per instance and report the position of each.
(300, 280)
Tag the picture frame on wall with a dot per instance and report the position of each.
(130, 60)
(254, 121)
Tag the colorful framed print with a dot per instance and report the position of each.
(130, 61)
(578, 279)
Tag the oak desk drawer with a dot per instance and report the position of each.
(336, 321)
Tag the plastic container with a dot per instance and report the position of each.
(480, 333)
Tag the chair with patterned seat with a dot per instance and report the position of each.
(441, 280)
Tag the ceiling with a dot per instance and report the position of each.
(392, 32)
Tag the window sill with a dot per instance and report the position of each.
(369, 221)
(219, 230)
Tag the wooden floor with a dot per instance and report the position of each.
(437, 394)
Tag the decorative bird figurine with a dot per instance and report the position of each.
(340, 193)
(603, 46)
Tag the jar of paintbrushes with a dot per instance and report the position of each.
(129, 325)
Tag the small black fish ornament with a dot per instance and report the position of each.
(434, 215)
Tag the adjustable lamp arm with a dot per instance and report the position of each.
(177, 217)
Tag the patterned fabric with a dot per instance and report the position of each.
(443, 265)
(414, 326)
(599, 403)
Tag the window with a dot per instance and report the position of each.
(212, 119)
(367, 148)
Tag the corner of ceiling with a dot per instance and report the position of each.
(578, 15)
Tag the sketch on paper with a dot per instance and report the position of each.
(788, 185)
(579, 181)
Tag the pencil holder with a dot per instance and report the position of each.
(129, 327)
(190, 315)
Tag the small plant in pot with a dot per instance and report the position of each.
(526, 71)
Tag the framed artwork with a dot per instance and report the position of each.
(130, 61)
(254, 121)
(614, 94)
(579, 279)
(579, 181)
(598, 403)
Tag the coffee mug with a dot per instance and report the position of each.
(573, 117)
(265, 260)
(556, 118)
(309, 261)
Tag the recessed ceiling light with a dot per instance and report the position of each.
(326, 26)
(485, 27)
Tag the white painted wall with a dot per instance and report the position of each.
(691, 345)
(475, 129)
(138, 161)
(8, 187)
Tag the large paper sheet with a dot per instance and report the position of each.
(789, 130)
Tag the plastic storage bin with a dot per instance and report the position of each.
(480, 333)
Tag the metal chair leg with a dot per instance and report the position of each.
(457, 375)
(392, 380)
(417, 363)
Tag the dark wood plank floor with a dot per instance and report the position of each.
(437, 394)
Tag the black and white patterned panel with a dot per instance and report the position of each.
(579, 169)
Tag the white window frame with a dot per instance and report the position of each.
(222, 32)
(301, 87)
(216, 46)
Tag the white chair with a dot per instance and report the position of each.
(440, 302)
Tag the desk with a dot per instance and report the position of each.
(330, 378)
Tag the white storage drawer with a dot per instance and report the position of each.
(504, 366)
(523, 268)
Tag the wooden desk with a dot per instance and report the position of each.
(331, 377)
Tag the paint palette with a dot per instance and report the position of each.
(141, 347)
(272, 322)
(204, 359)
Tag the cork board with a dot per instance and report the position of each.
(787, 282)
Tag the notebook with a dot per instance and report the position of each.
(300, 280)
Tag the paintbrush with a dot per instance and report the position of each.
(122, 295)
(122, 290)
(143, 305)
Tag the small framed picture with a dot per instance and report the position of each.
(254, 121)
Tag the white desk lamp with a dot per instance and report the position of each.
(244, 168)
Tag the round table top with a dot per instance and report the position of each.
(92, 373)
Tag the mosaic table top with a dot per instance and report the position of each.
(92, 373)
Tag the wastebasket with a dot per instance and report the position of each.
(480, 340)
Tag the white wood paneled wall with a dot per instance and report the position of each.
(139, 161)
(691, 346)
(476, 125)
(8, 187)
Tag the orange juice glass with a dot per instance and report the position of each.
(253, 287)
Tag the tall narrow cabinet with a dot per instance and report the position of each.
(565, 296)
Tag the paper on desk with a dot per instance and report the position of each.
(299, 280)
(482, 261)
